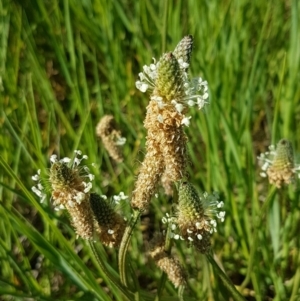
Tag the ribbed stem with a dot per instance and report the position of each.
(124, 246)
(235, 294)
(129, 296)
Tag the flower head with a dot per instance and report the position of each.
(278, 164)
(166, 262)
(111, 137)
(70, 187)
(70, 182)
(196, 216)
(169, 81)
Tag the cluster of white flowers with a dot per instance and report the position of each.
(196, 89)
(212, 205)
(212, 213)
(278, 164)
(120, 197)
(79, 196)
(38, 189)
(266, 160)
(147, 77)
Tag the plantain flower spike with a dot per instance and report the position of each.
(195, 90)
(165, 262)
(278, 164)
(70, 187)
(111, 137)
(109, 224)
(172, 93)
(196, 217)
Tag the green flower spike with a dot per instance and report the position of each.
(110, 225)
(169, 82)
(195, 217)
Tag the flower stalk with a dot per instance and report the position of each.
(124, 246)
(129, 295)
(234, 293)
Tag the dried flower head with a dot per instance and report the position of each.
(165, 262)
(111, 137)
(70, 186)
(148, 178)
(167, 184)
(278, 164)
(110, 224)
(196, 216)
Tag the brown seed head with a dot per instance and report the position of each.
(165, 262)
(111, 137)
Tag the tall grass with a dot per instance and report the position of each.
(64, 64)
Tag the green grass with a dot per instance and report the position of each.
(64, 64)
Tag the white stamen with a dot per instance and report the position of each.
(80, 196)
(88, 187)
(35, 177)
(91, 177)
(40, 186)
(186, 121)
(53, 158)
(65, 160)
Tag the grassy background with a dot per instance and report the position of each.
(64, 64)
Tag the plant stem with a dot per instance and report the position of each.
(129, 296)
(124, 246)
(180, 292)
(235, 294)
